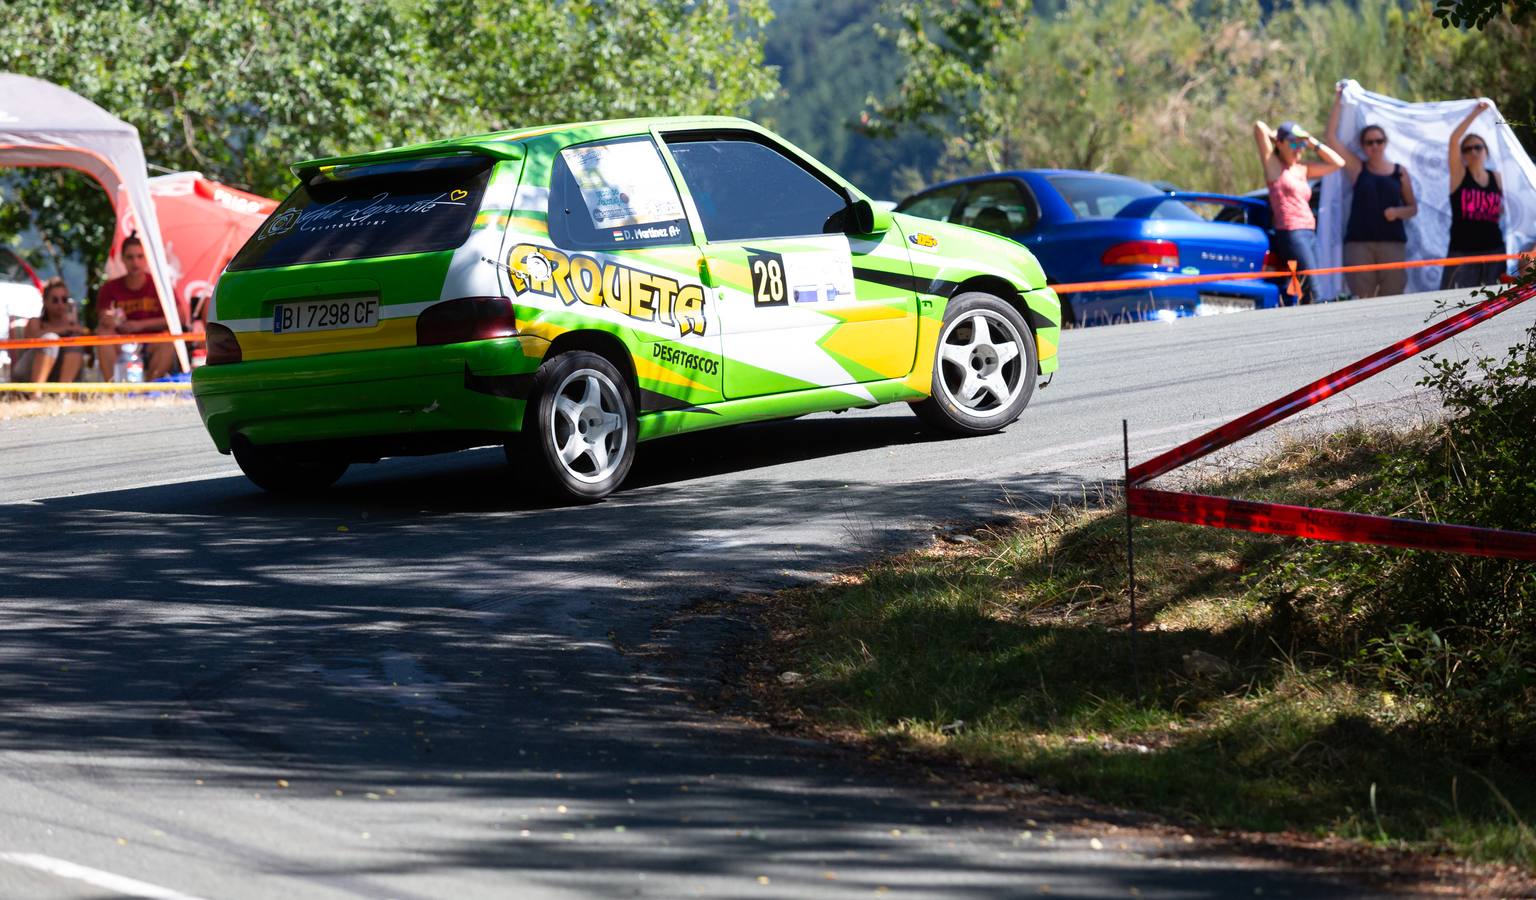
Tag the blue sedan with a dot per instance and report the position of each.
(1091, 226)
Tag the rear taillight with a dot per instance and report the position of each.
(223, 347)
(465, 319)
(1164, 254)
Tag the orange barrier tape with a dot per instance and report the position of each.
(92, 340)
(1088, 286)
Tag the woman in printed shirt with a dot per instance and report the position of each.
(1290, 191)
(1477, 202)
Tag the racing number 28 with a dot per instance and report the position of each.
(768, 280)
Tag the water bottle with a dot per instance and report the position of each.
(130, 365)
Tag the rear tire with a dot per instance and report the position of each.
(984, 367)
(288, 473)
(579, 428)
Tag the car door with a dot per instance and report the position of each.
(801, 303)
(623, 259)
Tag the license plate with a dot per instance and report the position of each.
(1215, 304)
(325, 315)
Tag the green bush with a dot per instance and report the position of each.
(1454, 634)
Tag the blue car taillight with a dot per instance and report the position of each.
(1163, 254)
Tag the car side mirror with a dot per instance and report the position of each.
(865, 218)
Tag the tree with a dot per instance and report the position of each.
(1168, 91)
(241, 90)
(947, 51)
(829, 60)
(1499, 63)
(1478, 13)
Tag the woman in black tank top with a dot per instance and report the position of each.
(1382, 199)
(1477, 202)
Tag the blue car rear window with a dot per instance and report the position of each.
(1104, 196)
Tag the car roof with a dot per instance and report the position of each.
(1022, 173)
(509, 144)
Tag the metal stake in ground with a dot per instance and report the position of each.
(1130, 557)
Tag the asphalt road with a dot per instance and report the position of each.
(420, 685)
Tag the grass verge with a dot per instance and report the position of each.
(16, 407)
(1012, 652)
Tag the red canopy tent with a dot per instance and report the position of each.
(202, 224)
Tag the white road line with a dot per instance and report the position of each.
(116, 883)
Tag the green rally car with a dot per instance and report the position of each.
(570, 291)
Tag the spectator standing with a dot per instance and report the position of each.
(1290, 191)
(58, 319)
(131, 305)
(1477, 202)
(1382, 199)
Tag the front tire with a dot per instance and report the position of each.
(289, 473)
(579, 429)
(984, 367)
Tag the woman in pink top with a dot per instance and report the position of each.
(1290, 191)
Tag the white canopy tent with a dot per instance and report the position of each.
(42, 124)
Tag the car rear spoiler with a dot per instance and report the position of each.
(494, 149)
(1142, 207)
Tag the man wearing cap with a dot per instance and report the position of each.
(1290, 192)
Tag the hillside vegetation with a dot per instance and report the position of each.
(1160, 91)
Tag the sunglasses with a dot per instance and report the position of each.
(1297, 145)
(1371, 142)
(1474, 148)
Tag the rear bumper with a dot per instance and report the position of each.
(476, 388)
(1174, 301)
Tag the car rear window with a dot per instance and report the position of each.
(1103, 196)
(387, 209)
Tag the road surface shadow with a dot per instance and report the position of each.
(409, 634)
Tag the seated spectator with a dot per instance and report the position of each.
(131, 305)
(37, 365)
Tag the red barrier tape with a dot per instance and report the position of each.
(95, 340)
(1322, 524)
(1328, 525)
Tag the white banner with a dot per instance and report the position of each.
(1417, 137)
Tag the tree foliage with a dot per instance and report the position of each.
(1500, 63)
(240, 90)
(948, 77)
(830, 59)
(1152, 90)
(1168, 91)
(1478, 13)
